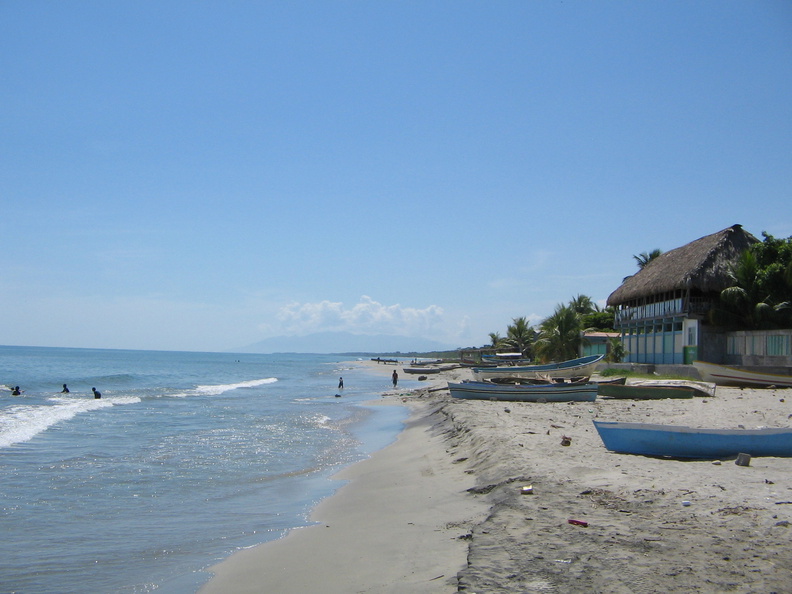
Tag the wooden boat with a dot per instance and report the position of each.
(472, 363)
(704, 389)
(523, 393)
(540, 380)
(572, 368)
(689, 442)
(732, 376)
(612, 380)
(644, 392)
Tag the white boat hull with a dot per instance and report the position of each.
(723, 375)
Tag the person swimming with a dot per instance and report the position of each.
(65, 389)
(96, 393)
(16, 391)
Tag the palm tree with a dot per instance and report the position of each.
(520, 336)
(559, 335)
(495, 339)
(616, 350)
(582, 305)
(644, 258)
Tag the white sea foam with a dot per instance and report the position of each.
(22, 422)
(214, 390)
(321, 420)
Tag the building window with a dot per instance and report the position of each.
(778, 345)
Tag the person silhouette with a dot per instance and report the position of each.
(96, 393)
(65, 389)
(340, 383)
(395, 377)
(16, 391)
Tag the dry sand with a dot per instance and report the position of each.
(442, 509)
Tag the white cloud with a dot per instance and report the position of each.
(365, 317)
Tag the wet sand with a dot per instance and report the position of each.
(443, 509)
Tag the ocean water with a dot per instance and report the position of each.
(186, 458)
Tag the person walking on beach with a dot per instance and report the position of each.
(65, 389)
(340, 383)
(96, 393)
(395, 377)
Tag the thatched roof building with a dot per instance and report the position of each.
(700, 266)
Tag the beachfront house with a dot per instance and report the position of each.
(596, 343)
(662, 310)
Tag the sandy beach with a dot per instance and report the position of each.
(443, 508)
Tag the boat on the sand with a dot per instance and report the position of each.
(724, 375)
(704, 389)
(524, 393)
(429, 369)
(583, 366)
(644, 392)
(675, 441)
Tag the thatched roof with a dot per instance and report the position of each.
(702, 264)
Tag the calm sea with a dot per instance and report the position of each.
(186, 458)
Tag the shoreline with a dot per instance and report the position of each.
(454, 477)
(399, 524)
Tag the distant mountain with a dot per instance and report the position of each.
(344, 342)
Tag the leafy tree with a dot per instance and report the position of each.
(602, 320)
(559, 335)
(774, 260)
(520, 336)
(760, 295)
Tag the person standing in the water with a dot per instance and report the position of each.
(395, 377)
(96, 393)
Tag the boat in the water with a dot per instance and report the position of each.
(524, 393)
(644, 392)
(676, 441)
(584, 366)
(723, 375)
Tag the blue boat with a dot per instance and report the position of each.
(524, 393)
(675, 441)
(584, 366)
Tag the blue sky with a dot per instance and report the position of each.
(204, 175)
